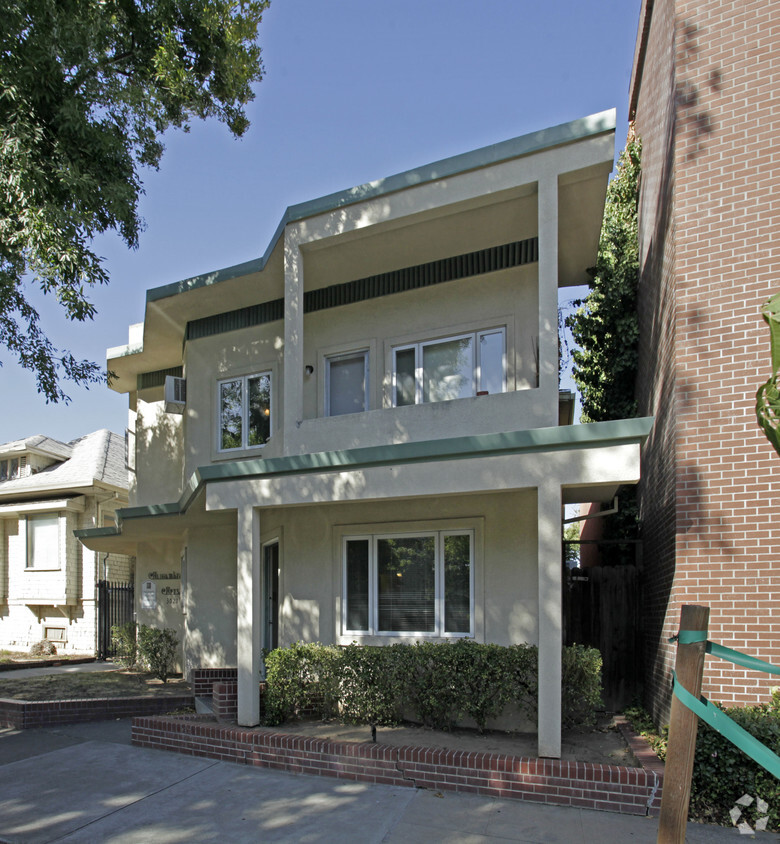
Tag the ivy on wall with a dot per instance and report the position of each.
(605, 326)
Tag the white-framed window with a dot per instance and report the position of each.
(346, 383)
(245, 411)
(416, 583)
(448, 368)
(43, 541)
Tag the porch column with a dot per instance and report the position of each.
(249, 615)
(550, 618)
(548, 295)
(292, 377)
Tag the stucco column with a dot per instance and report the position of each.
(550, 618)
(292, 379)
(548, 294)
(249, 615)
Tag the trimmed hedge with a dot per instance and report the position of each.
(437, 684)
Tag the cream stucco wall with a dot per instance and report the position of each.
(159, 445)
(310, 580)
(209, 598)
(160, 563)
(506, 299)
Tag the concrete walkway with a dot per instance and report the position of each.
(86, 783)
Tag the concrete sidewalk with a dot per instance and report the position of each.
(86, 783)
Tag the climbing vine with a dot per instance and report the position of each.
(605, 326)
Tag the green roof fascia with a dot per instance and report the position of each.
(564, 133)
(593, 435)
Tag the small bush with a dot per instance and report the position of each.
(580, 686)
(301, 678)
(43, 648)
(158, 649)
(124, 640)
(370, 685)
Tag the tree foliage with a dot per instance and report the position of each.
(606, 324)
(87, 89)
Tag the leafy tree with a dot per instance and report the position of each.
(87, 89)
(606, 325)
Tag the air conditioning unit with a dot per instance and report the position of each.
(175, 394)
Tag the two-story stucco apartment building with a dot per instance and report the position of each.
(49, 489)
(368, 447)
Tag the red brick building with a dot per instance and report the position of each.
(706, 105)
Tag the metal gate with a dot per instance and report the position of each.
(115, 607)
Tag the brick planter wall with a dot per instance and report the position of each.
(202, 679)
(613, 788)
(24, 714)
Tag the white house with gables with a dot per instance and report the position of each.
(356, 436)
(48, 490)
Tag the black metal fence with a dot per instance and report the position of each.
(115, 607)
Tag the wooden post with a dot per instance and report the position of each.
(683, 726)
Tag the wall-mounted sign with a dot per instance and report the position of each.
(148, 595)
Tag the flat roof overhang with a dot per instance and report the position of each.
(588, 461)
(157, 343)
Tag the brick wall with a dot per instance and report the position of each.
(24, 714)
(592, 786)
(203, 679)
(708, 105)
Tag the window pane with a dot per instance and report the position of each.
(230, 414)
(491, 362)
(347, 379)
(3, 470)
(13, 468)
(406, 584)
(448, 370)
(404, 377)
(259, 409)
(357, 584)
(43, 540)
(457, 584)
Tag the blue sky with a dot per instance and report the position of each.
(355, 90)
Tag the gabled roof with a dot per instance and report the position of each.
(37, 444)
(97, 458)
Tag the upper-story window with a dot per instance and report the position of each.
(245, 411)
(450, 368)
(9, 469)
(43, 541)
(346, 383)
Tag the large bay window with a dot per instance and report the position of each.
(244, 411)
(43, 541)
(409, 584)
(450, 368)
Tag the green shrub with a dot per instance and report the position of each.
(580, 686)
(302, 677)
(158, 649)
(721, 772)
(484, 673)
(370, 685)
(434, 683)
(123, 638)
